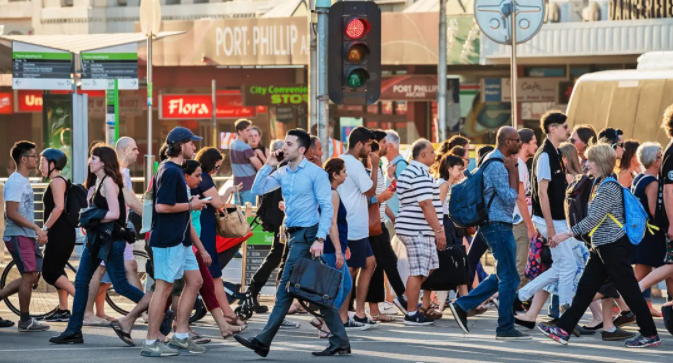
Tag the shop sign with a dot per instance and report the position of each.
(29, 101)
(6, 105)
(414, 88)
(179, 107)
(275, 95)
(640, 9)
(529, 89)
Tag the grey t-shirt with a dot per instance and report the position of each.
(18, 189)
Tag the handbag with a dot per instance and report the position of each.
(453, 270)
(313, 281)
(232, 223)
(539, 256)
(375, 220)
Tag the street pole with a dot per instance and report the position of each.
(322, 8)
(214, 101)
(313, 68)
(149, 158)
(513, 80)
(441, 73)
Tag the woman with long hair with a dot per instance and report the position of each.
(211, 161)
(61, 234)
(571, 160)
(628, 164)
(107, 196)
(255, 142)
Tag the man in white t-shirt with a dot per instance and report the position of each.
(523, 224)
(355, 193)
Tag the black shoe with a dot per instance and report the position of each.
(585, 331)
(332, 350)
(253, 344)
(513, 335)
(618, 334)
(67, 338)
(460, 316)
(517, 307)
(366, 321)
(166, 324)
(418, 319)
(598, 327)
(59, 316)
(625, 318)
(256, 307)
(525, 324)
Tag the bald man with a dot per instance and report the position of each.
(501, 182)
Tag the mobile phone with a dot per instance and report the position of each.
(280, 156)
(393, 186)
(207, 199)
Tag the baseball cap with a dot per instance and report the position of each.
(181, 133)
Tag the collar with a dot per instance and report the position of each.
(420, 165)
(301, 165)
(398, 157)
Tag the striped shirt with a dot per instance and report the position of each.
(380, 187)
(414, 186)
(243, 170)
(607, 199)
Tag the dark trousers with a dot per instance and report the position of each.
(477, 249)
(386, 261)
(270, 263)
(610, 261)
(298, 248)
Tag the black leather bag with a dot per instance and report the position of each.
(312, 281)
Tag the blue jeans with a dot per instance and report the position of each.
(245, 197)
(500, 239)
(346, 281)
(115, 269)
(554, 310)
(300, 247)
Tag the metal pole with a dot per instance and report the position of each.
(313, 68)
(149, 158)
(214, 101)
(513, 80)
(322, 8)
(441, 73)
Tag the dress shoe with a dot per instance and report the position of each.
(333, 350)
(524, 323)
(67, 338)
(253, 344)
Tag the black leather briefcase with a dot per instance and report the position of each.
(312, 281)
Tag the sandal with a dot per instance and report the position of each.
(384, 318)
(477, 311)
(234, 320)
(235, 329)
(200, 339)
(322, 334)
(124, 336)
(95, 322)
(431, 313)
(296, 309)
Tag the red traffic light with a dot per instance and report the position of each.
(357, 28)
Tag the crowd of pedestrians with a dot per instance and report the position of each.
(389, 230)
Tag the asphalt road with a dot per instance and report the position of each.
(389, 343)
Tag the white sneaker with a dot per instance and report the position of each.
(387, 308)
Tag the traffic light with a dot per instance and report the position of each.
(354, 53)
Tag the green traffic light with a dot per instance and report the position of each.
(357, 78)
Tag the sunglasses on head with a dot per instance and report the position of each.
(618, 144)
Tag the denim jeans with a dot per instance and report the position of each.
(346, 281)
(245, 197)
(87, 266)
(554, 310)
(500, 239)
(298, 248)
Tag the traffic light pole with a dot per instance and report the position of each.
(313, 69)
(441, 73)
(322, 8)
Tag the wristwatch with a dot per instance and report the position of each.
(320, 239)
(45, 228)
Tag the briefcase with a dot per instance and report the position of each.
(312, 281)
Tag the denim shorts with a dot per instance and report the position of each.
(170, 263)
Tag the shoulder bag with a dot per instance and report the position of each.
(312, 281)
(231, 223)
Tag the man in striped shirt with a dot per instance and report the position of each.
(418, 226)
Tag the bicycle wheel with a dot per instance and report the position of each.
(43, 300)
(120, 303)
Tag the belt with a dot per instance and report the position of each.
(297, 229)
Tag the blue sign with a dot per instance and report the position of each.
(492, 90)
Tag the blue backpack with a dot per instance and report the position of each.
(634, 213)
(467, 207)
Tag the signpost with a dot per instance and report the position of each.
(40, 68)
(118, 62)
(510, 22)
(112, 113)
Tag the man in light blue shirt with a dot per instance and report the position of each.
(305, 187)
(396, 165)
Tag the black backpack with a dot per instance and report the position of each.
(268, 213)
(576, 203)
(75, 200)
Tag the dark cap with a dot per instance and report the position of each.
(180, 134)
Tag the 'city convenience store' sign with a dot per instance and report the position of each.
(274, 95)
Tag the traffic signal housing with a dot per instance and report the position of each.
(354, 53)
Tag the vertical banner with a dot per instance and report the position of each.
(57, 125)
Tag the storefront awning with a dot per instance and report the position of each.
(77, 43)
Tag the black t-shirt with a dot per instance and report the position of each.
(170, 188)
(665, 178)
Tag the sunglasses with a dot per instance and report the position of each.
(619, 144)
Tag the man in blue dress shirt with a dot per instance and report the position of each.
(305, 187)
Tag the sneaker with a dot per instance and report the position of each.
(289, 324)
(418, 319)
(554, 333)
(401, 303)
(387, 308)
(625, 318)
(32, 325)
(59, 316)
(366, 321)
(352, 325)
(187, 344)
(460, 316)
(513, 335)
(158, 349)
(618, 334)
(642, 342)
